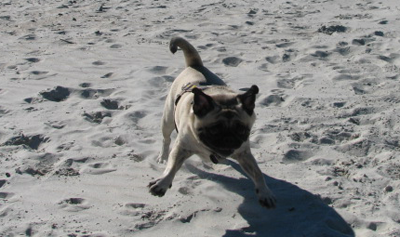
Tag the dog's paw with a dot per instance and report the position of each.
(157, 189)
(162, 158)
(266, 199)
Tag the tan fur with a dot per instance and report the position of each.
(182, 117)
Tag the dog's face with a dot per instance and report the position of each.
(223, 121)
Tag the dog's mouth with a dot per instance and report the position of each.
(216, 158)
(224, 152)
(218, 153)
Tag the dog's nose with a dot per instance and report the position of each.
(228, 114)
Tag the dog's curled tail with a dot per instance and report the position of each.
(192, 57)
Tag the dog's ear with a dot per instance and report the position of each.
(202, 103)
(248, 99)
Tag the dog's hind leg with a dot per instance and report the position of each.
(175, 160)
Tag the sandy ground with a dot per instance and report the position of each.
(82, 89)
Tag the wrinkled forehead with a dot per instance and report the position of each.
(226, 101)
(229, 107)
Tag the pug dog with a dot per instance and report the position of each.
(211, 120)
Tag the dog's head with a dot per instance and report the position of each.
(223, 120)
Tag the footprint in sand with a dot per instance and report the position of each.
(132, 209)
(96, 117)
(289, 55)
(85, 85)
(293, 156)
(231, 61)
(72, 161)
(272, 100)
(32, 142)
(70, 167)
(90, 93)
(74, 204)
(38, 164)
(391, 58)
(364, 86)
(159, 70)
(108, 75)
(39, 73)
(116, 46)
(361, 41)
(335, 137)
(343, 48)
(2, 182)
(207, 46)
(6, 195)
(273, 59)
(323, 55)
(57, 94)
(285, 44)
(189, 185)
(363, 111)
(302, 136)
(56, 124)
(98, 63)
(391, 170)
(110, 104)
(32, 60)
(263, 67)
(28, 37)
(286, 81)
(3, 111)
(338, 104)
(98, 168)
(67, 172)
(358, 148)
(329, 30)
(347, 74)
(136, 116)
(150, 218)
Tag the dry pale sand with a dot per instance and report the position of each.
(82, 89)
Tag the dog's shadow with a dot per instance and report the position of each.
(298, 213)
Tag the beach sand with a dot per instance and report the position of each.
(82, 90)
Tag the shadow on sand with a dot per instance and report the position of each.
(299, 213)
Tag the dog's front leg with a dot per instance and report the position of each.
(249, 165)
(176, 158)
(167, 126)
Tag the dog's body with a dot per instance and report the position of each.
(212, 121)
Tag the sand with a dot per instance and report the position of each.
(82, 90)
